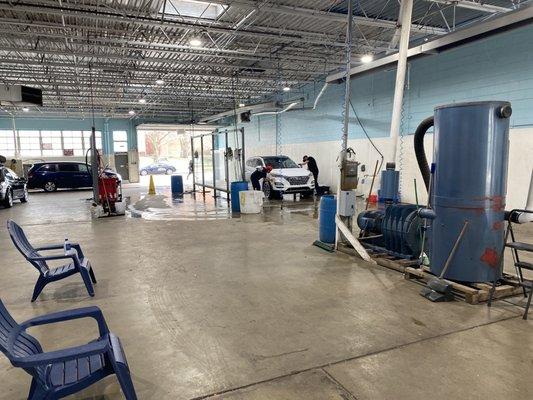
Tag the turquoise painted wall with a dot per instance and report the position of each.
(106, 126)
(495, 68)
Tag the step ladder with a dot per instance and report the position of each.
(516, 247)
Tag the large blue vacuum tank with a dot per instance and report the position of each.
(469, 184)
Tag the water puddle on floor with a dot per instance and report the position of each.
(189, 207)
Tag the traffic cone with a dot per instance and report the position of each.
(151, 187)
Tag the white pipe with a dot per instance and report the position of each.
(278, 112)
(320, 95)
(407, 8)
(527, 217)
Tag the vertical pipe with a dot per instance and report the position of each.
(226, 165)
(203, 172)
(214, 165)
(94, 166)
(193, 166)
(346, 109)
(405, 22)
(243, 159)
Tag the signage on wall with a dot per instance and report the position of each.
(68, 152)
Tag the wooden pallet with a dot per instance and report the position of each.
(473, 293)
(383, 259)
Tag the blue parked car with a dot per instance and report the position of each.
(54, 175)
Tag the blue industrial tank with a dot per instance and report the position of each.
(469, 184)
(390, 184)
(326, 219)
(237, 187)
(176, 185)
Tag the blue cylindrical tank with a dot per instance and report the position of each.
(390, 184)
(176, 184)
(469, 184)
(326, 219)
(237, 187)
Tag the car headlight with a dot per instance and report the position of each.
(276, 176)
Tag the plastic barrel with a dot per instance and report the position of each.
(176, 184)
(326, 219)
(237, 187)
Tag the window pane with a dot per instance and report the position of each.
(120, 146)
(30, 144)
(121, 136)
(51, 143)
(72, 140)
(68, 167)
(7, 143)
(87, 140)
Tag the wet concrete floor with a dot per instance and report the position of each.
(247, 308)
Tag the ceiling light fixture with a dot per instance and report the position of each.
(131, 112)
(286, 89)
(25, 109)
(367, 58)
(242, 105)
(142, 100)
(159, 81)
(195, 42)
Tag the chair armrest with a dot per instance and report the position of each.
(71, 353)
(72, 254)
(86, 312)
(60, 246)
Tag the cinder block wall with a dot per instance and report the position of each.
(495, 68)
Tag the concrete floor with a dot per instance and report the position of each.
(247, 308)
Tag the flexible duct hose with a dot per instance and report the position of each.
(419, 149)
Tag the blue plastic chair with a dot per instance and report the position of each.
(60, 373)
(79, 263)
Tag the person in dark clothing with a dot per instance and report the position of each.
(259, 174)
(313, 168)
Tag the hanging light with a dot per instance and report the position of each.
(286, 89)
(142, 100)
(25, 109)
(367, 58)
(131, 112)
(159, 81)
(195, 42)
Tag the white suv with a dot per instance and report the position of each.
(286, 176)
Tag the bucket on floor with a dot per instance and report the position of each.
(237, 187)
(176, 185)
(251, 201)
(326, 219)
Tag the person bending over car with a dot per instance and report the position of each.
(313, 168)
(259, 174)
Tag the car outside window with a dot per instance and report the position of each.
(258, 162)
(10, 174)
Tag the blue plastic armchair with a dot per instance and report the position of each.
(60, 373)
(79, 264)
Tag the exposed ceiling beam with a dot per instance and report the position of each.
(473, 5)
(461, 36)
(326, 15)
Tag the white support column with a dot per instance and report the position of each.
(405, 23)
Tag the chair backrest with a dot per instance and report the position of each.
(23, 245)
(23, 345)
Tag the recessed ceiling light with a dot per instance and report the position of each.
(242, 104)
(195, 42)
(25, 109)
(131, 112)
(286, 89)
(367, 58)
(159, 81)
(142, 100)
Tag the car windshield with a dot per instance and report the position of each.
(280, 162)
